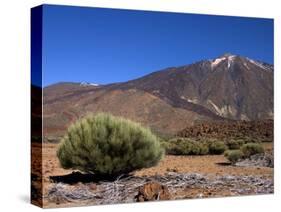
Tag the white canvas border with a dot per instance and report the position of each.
(15, 100)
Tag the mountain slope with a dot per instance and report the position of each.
(228, 87)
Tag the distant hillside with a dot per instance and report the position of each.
(229, 87)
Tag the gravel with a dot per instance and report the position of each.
(258, 160)
(180, 185)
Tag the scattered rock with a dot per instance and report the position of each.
(223, 130)
(259, 160)
(62, 193)
(160, 187)
(153, 191)
(92, 186)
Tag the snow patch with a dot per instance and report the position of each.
(259, 64)
(88, 84)
(217, 61)
(228, 64)
(246, 65)
(218, 110)
(194, 100)
(224, 111)
(230, 60)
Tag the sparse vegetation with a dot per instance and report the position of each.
(177, 146)
(234, 144)
(204, 149)
(183, 146)
(108, 145)
(217, 147)
(245, 151)
(211, 146)
(188, 146)
(233, 155)
(251, 149)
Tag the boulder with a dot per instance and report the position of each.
(153, 191)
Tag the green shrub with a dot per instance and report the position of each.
(108, 145)
(251, 149)
(178, 147)
(204, 149)
(233, 155)
(234, 144)
(194, 148)
(217, 148)
(164, 144)
(184, 146)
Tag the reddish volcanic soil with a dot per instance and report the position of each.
(210, 165)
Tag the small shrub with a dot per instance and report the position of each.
(234, 144)
(233, 155)
(108, 145)
(217, 148)
(204, 149)
(164, 144)
(181, 146)
(251, 149)
(173, 149)
(194, 149)
(178, 147)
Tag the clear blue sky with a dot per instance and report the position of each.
(105, 45)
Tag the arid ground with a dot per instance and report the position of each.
(213, 167)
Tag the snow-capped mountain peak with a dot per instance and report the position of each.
(225, 57)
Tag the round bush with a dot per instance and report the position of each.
(251, 149)
(194, 148)
(217, 148)
(183, 146)
(234, 144)
(204, 149)
(233, 155)
(108, 145)
(178, 147)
